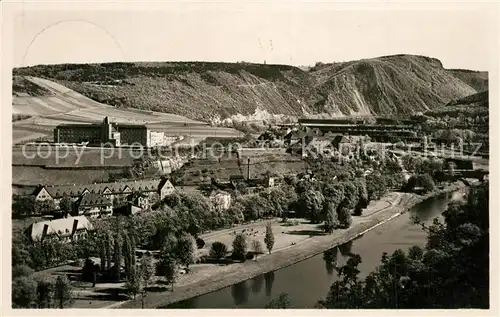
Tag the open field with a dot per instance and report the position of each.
(64, 105)
(280, 164)
(73, 156)
(32, 175)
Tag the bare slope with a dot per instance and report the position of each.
(199, 90)
(387, 85)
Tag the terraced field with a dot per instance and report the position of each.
(63, 105)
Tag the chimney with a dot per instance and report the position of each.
(75, 225)
(44, 232)
(248, 168)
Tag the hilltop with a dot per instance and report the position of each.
(399, 84)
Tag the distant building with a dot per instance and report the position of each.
(94, 205)
(156, 138)
(127, 210)
(221, 200)
(116, 134)
(116, 192)
(64, 230)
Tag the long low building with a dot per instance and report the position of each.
(107, 132)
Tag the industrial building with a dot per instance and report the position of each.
(117, 134)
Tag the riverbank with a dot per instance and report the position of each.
(223, 276)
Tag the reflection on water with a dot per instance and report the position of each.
(240, 293)
(330, 258)
(269, 277)
(257, 283)
(345, 249)
(308, 281)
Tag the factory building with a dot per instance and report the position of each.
(117, 134)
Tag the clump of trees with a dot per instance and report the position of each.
(456, 254)
(28, 292)
(282, 301)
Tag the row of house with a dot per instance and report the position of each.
(99, 199)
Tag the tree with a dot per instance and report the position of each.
(117, 259)
(427, 183)
(280, 302)
(218, 250)
(44, 207)
(375, 186)
(351, 194)
(89, 271)
(24, 206)
(186, 248)
(146, 269)
(167, 267)
(331, 220)
(133, 284)
(362, 199)
(102, 251)
(452, 271)
(344, 215)
(63, 293)
(128, 254)
(311, 202)
(23, 292)
(44, 293)
(257, 247)
(269, 238)
(66, 206)
(169, 243)
(345, 292)
(239, 247)
(109, 250)
(21, 270)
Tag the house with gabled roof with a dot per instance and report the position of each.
(221, 200)
(64, 229)
(41, 194)
(94, 205)
(116, 192)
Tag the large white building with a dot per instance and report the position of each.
(156, 139)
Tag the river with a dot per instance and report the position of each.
(308, 281)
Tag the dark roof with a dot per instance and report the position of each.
(91, 199)
(79, 125)
(130, 126)
(147, 185)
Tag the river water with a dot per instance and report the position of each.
(308, 281)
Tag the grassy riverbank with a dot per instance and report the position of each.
(215, 277)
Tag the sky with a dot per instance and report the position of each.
(460, 36)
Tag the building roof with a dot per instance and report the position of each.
(219, 192)
(91, 199)
(79, 125)
(103, 188)
(60, 227)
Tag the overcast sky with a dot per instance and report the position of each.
(298, 34)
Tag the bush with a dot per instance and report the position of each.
(200, 243)
(218, 250)
(249, 256)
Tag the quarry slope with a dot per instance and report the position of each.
(399, 84)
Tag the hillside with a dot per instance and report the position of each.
(477, 80)
(399, 84)
(479, 99)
